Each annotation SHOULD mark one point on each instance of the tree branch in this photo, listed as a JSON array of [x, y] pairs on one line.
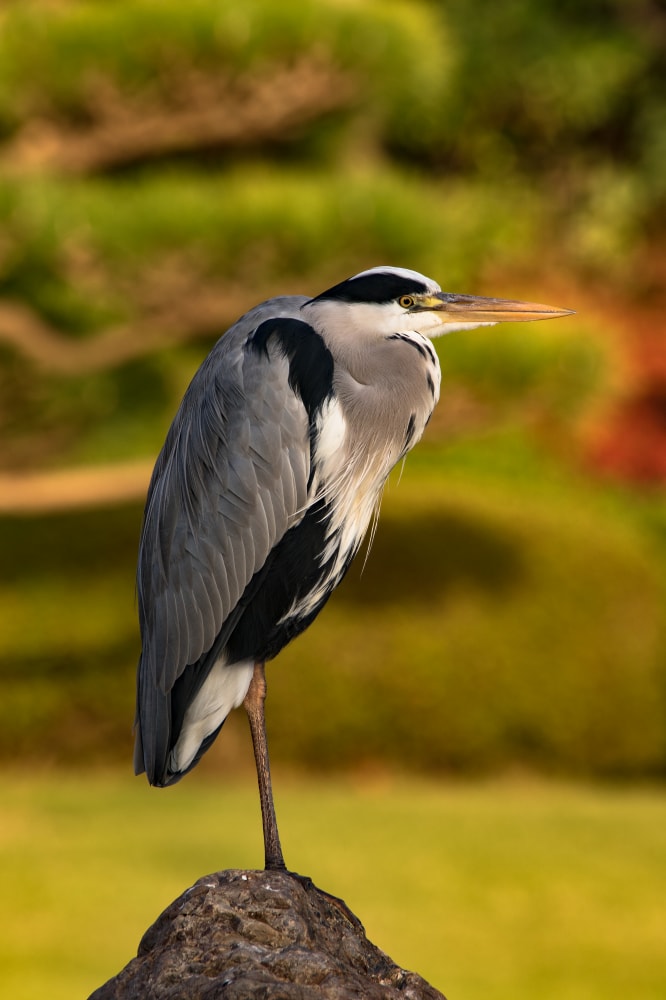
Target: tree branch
[[208, 313], [206, 112], [67, 489]]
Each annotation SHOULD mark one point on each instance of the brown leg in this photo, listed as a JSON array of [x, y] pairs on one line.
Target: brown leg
[[254, 706]]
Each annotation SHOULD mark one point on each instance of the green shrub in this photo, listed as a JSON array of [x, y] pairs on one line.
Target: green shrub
[[58, 61], [483, 633], [95, 255], [490, 627]]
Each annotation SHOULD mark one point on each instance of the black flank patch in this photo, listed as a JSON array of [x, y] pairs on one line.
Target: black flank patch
[[291, 572], [380, 287], [254, 630]]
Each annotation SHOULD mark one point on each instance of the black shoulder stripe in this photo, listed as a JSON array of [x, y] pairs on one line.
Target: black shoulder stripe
[[431, 351], [409, 435], [406, 339], [310, 361]]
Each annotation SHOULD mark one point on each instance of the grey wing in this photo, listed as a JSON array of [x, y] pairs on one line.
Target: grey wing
[[230, 481]]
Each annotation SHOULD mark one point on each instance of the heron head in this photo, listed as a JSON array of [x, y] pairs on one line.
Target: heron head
[[386, 300]]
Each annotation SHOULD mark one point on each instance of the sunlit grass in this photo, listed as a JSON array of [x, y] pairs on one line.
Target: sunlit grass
[[506, 890]]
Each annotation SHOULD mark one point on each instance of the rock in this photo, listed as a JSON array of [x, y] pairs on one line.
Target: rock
[[271, 935]]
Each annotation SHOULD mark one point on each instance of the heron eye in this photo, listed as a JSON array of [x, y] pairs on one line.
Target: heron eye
[[406, 301]]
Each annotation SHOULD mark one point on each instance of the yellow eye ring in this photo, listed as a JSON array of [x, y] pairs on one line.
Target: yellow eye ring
[[406, 301]]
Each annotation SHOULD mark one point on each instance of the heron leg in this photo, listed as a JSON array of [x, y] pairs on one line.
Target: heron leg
[[254, 706]]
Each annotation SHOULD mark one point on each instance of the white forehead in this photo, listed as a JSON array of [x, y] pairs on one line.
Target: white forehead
[[402, 272]]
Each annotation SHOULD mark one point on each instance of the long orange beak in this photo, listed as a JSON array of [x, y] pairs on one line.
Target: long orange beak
[[479, 309]]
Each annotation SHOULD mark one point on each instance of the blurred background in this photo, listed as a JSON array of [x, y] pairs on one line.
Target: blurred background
[[501, 659]]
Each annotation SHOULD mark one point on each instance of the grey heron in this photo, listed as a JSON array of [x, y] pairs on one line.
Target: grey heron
[[264, 490]]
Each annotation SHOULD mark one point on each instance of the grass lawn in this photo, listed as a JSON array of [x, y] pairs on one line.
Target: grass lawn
[[498, 890]]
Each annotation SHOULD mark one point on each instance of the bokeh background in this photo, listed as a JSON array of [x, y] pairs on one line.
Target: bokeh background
[[501, 658]]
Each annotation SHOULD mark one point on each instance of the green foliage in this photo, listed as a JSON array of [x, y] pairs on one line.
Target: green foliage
[[549, 371], [93, 253], [481, 633], [465, 140], [460, 149], [484, 633], [88, 246], [56, 60], [565, 102], [571, 98], [556, 74]]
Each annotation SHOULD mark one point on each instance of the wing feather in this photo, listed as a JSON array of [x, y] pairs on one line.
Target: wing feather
[[230, 481], [264, 531]]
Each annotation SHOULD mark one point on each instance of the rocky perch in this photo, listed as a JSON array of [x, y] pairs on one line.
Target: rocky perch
[[260, 934]]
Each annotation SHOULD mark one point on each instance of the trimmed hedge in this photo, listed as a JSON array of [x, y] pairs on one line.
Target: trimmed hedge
[[55, 60], [484, 632], [490, 627]]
